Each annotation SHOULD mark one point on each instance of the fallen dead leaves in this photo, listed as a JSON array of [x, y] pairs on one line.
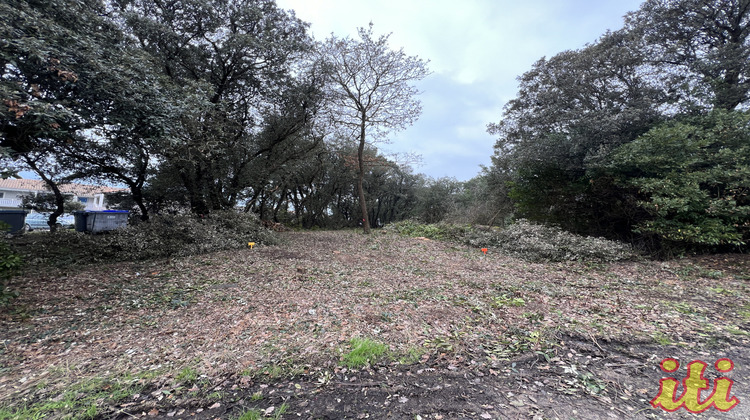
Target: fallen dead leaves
[[299, 303]]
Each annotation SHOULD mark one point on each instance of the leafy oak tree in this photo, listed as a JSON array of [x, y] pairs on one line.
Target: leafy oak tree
[[69, 73], [251, 93], [644, 95], [571, 111], [701, 48], [371, 93]]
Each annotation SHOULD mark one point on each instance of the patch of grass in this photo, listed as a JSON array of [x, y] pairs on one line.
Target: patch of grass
[[505, 300], [258, 414], [252, 414], [723, 291], [187, 375], [733, 329], [412, 356], [711, 274], [78, 401], [364, 351], [684, 308], [661, 338], [691, 271], [216, 396], [282, 370], [744, 312]]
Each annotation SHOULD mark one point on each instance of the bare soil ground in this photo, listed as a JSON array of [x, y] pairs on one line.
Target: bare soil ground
[[470, 336]]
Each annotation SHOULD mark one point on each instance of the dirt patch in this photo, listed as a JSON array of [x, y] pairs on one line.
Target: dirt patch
[[470, 335], [587, 381]]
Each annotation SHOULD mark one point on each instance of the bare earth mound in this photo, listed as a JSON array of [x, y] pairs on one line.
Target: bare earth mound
[[469, 335]]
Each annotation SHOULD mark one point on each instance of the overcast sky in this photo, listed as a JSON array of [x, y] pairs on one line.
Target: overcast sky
[[476, 49]]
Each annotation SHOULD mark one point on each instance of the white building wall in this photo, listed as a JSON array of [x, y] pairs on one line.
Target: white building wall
[[12, 200]]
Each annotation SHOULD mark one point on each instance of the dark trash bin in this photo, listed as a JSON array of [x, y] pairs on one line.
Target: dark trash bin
[[15, 218], [100, 221]]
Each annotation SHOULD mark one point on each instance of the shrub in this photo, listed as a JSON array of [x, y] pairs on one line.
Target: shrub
[[182, 235], [691, 176], [535, 242], [439, 231], [523, 239], [162, 236]]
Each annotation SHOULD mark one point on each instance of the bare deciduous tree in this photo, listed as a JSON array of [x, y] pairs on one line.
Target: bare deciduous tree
[[371, 92]]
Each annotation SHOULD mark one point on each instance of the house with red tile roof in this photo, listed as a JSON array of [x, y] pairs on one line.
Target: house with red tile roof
[[92, 196]]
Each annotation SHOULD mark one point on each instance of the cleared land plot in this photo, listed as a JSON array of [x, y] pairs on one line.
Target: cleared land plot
[[469, 335]]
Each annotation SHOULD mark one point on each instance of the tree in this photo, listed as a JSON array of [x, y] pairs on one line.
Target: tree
[[437, 198], [39, 64], [46, 202], [80, 100], [371, 93], [692, 177], [483, 200], [251, 94], [701, 48], [5, 171], [571, 111], [673, 60]]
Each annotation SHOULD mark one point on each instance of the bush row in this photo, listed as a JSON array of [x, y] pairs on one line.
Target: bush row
[[162, 236], [524, 239]]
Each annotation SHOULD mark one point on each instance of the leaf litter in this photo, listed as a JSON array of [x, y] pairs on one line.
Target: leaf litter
[[470, 335]]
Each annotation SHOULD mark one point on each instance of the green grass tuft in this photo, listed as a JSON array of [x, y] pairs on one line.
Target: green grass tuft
[[364, 351]]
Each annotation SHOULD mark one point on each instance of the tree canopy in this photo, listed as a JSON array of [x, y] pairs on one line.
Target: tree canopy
[[635, 96], [210, 105], [371, 93], [231, 104]]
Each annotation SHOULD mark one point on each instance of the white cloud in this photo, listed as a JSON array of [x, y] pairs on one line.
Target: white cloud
[[477, 48]]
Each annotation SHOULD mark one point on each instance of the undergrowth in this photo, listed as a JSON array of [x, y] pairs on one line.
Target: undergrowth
[[89, 399], [10, 262], [529, 241], [163, 236]]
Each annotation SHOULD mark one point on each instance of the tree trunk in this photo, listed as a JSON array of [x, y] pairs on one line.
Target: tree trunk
[[136, 191], [361, 177], [59, 198]]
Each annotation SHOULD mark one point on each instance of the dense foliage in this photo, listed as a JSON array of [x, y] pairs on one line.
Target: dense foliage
[[206, 105], [78, 99], [692, 177], [10, 263], [219, 105], [641, 135], [46, 202]]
